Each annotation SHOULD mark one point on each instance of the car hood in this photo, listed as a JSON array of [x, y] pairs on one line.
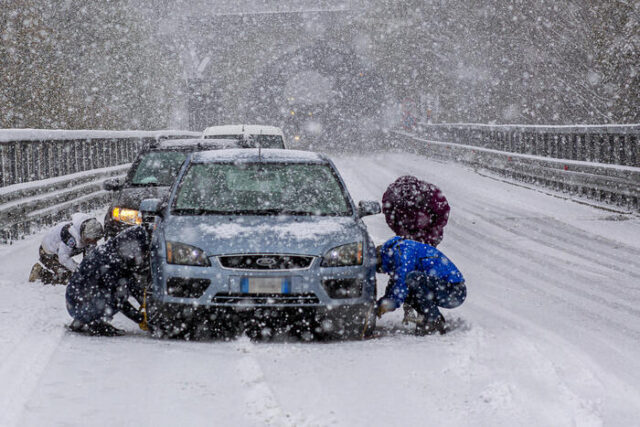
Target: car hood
[[132, 196], [218, 235]]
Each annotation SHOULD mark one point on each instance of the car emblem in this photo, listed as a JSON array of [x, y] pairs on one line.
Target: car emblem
[[265, 262]]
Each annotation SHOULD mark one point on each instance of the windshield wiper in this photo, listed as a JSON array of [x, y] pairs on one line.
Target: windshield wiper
[[148, 184]]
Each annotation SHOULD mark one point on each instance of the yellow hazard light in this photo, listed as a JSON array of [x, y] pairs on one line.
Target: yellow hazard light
[[127, 216]]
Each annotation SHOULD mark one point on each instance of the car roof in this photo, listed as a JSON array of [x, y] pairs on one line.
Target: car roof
[[255, 155], [243, 129], [194, 144]]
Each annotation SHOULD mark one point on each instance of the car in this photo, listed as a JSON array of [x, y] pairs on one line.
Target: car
[[248, 135], [260, 240], [150, 175]]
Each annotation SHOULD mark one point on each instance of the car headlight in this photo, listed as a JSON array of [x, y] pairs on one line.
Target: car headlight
[[179, 253], [341, 256], [128, 216]]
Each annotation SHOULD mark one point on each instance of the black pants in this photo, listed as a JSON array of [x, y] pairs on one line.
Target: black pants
[[427, 293], [54, 272]]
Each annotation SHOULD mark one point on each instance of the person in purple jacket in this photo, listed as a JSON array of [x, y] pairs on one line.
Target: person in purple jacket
[[421, 277]]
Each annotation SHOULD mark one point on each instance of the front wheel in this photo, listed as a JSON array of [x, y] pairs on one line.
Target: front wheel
[[164, 322], [350, 324]]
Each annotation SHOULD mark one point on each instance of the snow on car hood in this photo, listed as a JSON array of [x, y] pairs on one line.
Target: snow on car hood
[[282, 234]]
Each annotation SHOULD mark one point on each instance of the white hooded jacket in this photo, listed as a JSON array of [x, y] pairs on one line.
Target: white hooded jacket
[[53, 242]]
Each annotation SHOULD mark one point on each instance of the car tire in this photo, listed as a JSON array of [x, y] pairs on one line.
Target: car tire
[[352, 324], [166, 323]]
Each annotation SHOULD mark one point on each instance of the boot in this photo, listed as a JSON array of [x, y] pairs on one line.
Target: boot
[[36, 272], [104, 329], [430, 327], [95, 328], [411, 316]]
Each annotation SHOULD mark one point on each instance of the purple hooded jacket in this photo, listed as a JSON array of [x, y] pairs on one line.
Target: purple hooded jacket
[[416, 210]]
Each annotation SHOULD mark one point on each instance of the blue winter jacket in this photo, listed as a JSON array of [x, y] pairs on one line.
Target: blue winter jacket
[[401, 256]]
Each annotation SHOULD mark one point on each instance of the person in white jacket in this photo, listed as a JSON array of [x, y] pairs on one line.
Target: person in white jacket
[[64, 241]]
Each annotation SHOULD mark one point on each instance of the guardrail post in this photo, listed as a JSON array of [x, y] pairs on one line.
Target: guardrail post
[[580, 151], [598, 142], [633, 148], [618, 155]]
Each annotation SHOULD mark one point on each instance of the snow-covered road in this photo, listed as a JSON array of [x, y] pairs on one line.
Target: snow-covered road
[[549, 335]]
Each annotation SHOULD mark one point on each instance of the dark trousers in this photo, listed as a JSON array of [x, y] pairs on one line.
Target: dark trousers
[[427, 293], [97, 305], [54, 273]]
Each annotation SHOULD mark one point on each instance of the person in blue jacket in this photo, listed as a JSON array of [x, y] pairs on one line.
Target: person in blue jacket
[[421, 277], [105, 279]]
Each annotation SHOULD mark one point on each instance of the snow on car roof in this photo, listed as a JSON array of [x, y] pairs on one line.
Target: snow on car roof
[[253, 154], [195, 142], [240, 129]]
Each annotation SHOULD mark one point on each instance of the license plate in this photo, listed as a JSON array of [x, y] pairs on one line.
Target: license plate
[[265, 285]]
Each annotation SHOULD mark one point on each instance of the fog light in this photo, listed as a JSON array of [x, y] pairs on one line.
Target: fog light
[[187, 288], [343, 288]]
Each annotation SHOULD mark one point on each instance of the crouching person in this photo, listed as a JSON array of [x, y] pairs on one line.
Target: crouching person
[[61, 244], [421, 277], [103, 282]]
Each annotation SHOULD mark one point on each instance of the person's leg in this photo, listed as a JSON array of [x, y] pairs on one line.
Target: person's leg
[[427, 293], [422, 296], [54, 272]]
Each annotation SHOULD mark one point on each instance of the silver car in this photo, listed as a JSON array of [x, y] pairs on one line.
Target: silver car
[[261, 240]]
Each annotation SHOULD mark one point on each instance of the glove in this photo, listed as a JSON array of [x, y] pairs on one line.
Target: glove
[[385, 305]]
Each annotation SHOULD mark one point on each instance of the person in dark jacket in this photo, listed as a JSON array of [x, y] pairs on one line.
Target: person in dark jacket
[[421, 277], [103, 282]]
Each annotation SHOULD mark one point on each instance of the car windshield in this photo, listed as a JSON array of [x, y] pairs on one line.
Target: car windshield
[[261, 189], [158, 168], [264, 141]]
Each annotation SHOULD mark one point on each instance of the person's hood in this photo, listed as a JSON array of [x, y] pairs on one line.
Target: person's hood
[[218, 235], [78, 218]]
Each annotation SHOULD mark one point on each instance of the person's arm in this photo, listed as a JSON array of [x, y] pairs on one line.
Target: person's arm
[[131, 312], [404, 262], [65, 254]]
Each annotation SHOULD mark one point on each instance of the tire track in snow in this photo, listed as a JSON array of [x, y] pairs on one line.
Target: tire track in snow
[[542, 266], [554, 233], [260, 402], [532, 280]]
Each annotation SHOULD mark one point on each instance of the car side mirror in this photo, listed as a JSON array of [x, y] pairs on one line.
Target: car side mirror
[[368, 207], [150, 208], [112, 184]]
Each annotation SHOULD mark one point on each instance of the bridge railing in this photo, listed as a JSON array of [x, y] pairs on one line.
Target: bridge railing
[[45, 175], [596, 162]]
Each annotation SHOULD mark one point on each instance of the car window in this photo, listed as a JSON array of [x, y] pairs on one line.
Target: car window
[[261, 189], [269, 141], [158, 168], [265, 141], [236, 136]]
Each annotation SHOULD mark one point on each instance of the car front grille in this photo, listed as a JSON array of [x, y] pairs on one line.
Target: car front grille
[[266, 262], [265, 299]]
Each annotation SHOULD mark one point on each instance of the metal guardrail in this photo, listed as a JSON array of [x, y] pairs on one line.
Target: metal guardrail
[[45, 176], [608, 183], [609, 144]]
